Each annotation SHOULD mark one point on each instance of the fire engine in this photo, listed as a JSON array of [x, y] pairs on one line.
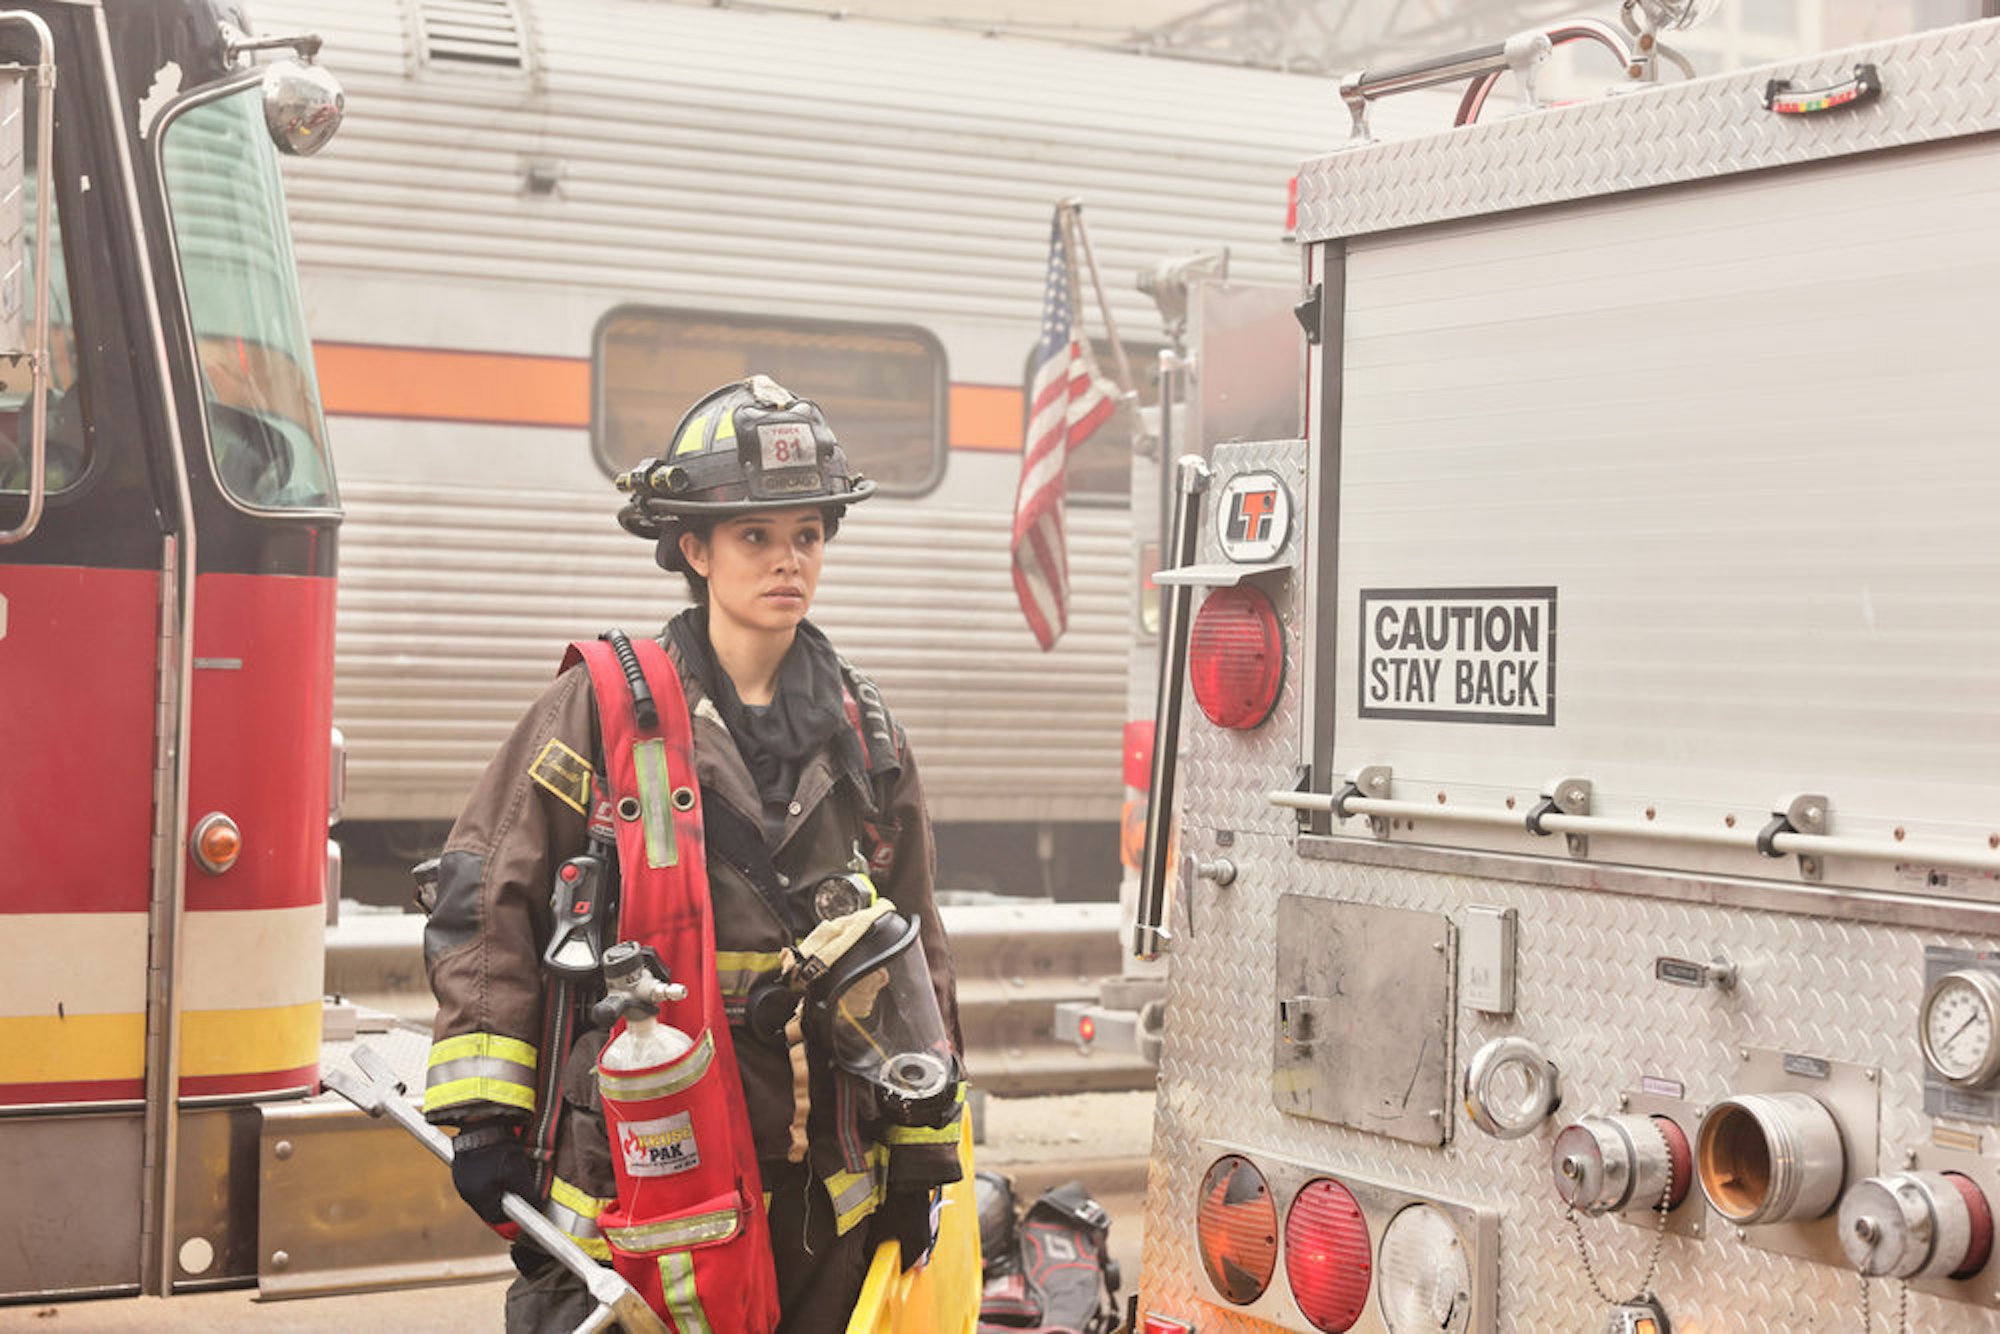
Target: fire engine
[[167, 525], [1583, 914]]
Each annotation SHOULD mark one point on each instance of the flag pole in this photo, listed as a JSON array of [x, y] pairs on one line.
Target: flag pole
[[1073, 219]]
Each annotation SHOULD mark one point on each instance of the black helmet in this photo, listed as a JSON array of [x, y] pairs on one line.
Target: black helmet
[[747, 446]]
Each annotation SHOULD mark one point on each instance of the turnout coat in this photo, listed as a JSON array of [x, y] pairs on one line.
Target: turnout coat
[[858, 796]]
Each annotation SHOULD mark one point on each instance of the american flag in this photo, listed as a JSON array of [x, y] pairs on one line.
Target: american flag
[[1068, 400]]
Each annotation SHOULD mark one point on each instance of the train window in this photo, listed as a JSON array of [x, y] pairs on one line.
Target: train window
[[1100, 469], [881, 386], [69, 440], [266, 432]]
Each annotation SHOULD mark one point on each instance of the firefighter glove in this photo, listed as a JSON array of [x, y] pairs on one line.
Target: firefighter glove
[[906, 1216], [487, 1161]]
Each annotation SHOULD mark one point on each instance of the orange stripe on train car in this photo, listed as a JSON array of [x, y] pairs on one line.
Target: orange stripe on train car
[[508, 389], [428, 384]]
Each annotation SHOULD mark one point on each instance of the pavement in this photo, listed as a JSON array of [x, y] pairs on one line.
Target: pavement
[[1099, 1139]]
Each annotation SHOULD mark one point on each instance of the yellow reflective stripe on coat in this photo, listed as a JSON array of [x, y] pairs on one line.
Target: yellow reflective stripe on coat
[[576, 1214], [480, 1067], [740, 970], [683, 1303], [855, 1195], [668, 1079]]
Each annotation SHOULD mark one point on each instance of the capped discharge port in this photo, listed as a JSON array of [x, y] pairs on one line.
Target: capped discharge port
[[1770, 1158]]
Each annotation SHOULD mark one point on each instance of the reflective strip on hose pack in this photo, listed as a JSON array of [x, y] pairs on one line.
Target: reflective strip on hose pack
[[649, 762], [683, 1303], [680, 1232], [663, 1082]]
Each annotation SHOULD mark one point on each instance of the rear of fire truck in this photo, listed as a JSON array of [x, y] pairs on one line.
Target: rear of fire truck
[[1586, 911]]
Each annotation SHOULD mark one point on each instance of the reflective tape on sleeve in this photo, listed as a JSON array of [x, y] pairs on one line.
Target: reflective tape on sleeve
[[948, 1133], [576, 1214], [480, 1067]]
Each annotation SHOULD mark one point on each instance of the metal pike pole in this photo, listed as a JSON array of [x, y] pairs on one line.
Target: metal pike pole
[[617, 1301]]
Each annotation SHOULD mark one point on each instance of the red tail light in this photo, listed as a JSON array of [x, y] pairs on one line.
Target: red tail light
[[1236, 1228], [1236, 657], [1139, 754], [1327, 1255]]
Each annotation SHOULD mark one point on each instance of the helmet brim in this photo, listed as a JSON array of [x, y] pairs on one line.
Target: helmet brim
[[854, 495]]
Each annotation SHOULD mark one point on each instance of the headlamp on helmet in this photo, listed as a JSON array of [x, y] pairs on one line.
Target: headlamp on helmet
[[752, 445]]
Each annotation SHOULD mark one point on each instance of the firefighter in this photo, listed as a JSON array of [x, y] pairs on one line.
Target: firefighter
[[811, 803]]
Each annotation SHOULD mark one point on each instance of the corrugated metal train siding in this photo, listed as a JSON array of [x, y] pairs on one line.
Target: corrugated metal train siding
[[781, 162], [454, 608]]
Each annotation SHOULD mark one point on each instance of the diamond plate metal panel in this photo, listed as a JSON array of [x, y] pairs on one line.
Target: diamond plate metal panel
[[1817, 986], [1938, 85]]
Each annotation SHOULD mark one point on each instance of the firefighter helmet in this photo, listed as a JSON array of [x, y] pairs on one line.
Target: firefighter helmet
[[751, 445]]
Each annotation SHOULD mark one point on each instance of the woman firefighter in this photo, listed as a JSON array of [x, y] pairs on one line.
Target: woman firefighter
[[744, 1184]]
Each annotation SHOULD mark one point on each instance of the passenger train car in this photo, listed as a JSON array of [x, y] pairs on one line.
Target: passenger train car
[[554, 223]]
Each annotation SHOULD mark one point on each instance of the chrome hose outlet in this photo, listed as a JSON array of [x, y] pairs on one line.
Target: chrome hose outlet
[[1916, 1225], [1607, 1163], [1770, 1158]]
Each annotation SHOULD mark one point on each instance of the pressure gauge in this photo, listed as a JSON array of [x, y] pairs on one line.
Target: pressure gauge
[[1960, 1027]]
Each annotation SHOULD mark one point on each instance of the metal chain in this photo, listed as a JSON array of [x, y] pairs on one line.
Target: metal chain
[[1902, 1307], [1659, 1235]]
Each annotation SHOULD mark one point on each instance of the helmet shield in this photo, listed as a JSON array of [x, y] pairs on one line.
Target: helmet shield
[[883, 1024], [747, 446]]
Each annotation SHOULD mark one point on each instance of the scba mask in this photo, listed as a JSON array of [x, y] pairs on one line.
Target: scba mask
[[868, 993]]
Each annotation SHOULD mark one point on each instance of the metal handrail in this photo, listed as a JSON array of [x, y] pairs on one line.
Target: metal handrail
[[1521, 53], [1783, 842]]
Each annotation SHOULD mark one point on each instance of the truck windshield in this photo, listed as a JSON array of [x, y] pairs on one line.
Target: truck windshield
[[262, 398]]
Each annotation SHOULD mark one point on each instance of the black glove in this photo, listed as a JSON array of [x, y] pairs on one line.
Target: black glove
[[905, 1216], [487, 1161]]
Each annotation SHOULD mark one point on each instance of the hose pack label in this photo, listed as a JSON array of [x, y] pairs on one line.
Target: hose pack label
[[659, 1148], [1459, 655]]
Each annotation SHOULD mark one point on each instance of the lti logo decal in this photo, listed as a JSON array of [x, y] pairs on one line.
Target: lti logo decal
[[1256, 517]]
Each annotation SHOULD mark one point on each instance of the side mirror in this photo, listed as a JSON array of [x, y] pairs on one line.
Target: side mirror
[[303, 105]]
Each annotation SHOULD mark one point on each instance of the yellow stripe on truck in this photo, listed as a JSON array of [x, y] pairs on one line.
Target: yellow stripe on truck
[[51, 1048]]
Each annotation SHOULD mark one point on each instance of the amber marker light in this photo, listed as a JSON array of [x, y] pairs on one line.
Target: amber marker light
[[216, 843]]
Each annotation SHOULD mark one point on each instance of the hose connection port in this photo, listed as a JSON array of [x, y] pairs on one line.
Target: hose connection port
[[1770, 1158]]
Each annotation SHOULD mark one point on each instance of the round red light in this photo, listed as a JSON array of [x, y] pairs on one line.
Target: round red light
[[1327, 1258], [1086, 1029], [1236, 1228], [1236, 657]]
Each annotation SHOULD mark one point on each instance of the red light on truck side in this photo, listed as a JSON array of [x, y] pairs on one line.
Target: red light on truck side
[[1327, 1256], [1139, 754], [1236, 657]]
